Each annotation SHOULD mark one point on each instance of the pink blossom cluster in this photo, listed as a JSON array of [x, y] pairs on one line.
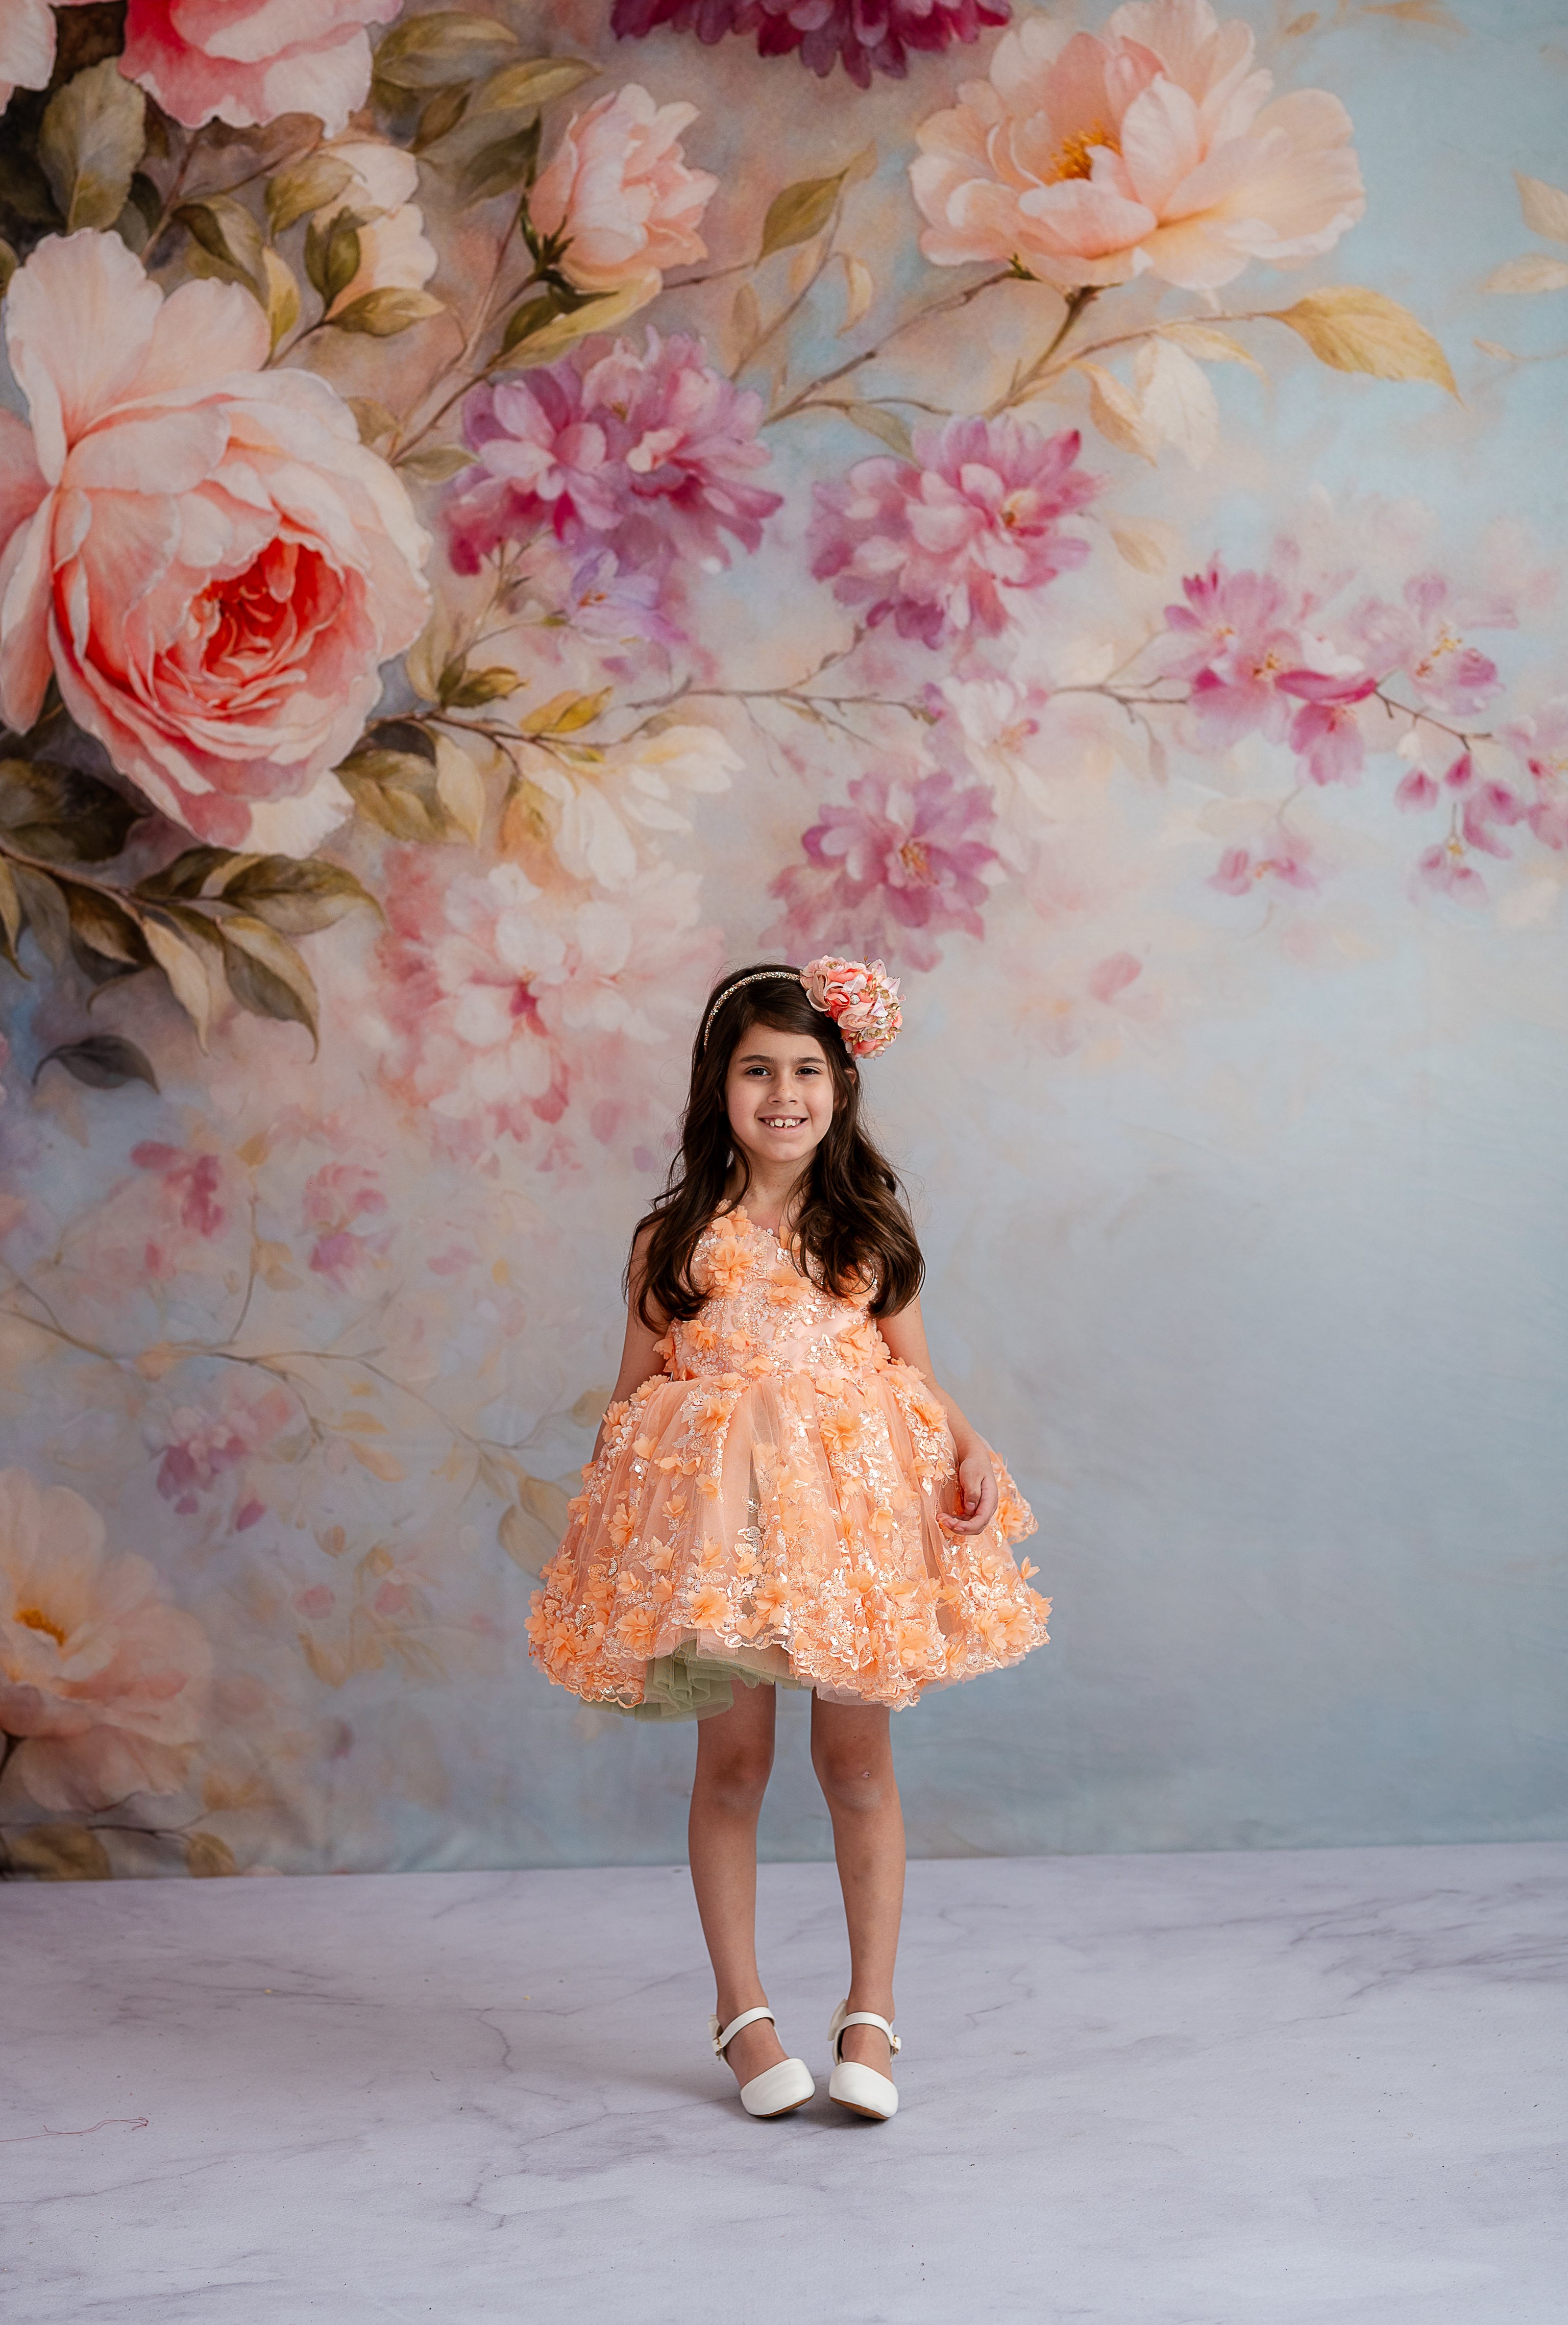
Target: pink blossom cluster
[[336, 1199], [199, 1447], [1273, 654], [505, 1005], [631, 463], [903, 862], [867, 36], [948, 544]]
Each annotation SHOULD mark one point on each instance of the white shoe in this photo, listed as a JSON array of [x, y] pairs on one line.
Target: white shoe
[[860, 2088], [777, 2090]]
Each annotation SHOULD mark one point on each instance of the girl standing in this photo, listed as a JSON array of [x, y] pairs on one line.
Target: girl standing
[[781, 1496]]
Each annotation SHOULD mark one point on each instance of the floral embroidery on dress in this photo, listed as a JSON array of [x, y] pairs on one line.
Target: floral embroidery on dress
[[771, 1500]]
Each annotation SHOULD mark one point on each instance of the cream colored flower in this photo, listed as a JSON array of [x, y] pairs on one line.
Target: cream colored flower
[[618, 190], [105, 1682], [393, 255]]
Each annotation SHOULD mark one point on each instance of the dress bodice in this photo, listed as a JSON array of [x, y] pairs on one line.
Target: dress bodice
[[761, 1314]]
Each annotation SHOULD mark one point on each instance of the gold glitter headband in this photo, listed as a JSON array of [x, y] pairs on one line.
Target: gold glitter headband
[[755, 978]]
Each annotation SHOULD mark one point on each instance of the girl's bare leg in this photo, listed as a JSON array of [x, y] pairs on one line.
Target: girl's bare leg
[[852, 1754], [733, 1761]]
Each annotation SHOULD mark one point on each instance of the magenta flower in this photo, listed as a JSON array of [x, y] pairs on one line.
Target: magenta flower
[[649, 457], [888, 872], [944, 544], [1325, 732], [866, 35], [1235, 638]]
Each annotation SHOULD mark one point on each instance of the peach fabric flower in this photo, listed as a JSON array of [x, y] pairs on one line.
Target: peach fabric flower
[[103, 1679], [200, 551], [1092, 158], [618, 189], [246, 62], [860, 997]]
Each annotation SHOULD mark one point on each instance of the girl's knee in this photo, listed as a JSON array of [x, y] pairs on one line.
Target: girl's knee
[[854, 1779], [735, 1778]]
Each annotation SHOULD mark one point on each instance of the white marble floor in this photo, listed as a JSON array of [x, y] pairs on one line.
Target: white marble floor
[[1267, 2089]]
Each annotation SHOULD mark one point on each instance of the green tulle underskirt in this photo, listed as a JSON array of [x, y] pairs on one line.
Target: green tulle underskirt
[[686, 1685]]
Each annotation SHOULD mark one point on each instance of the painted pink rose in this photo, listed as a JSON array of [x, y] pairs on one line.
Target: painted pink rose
[[246, 62], [105, 1682], [1090, 158], [618, 193], [200, 551]]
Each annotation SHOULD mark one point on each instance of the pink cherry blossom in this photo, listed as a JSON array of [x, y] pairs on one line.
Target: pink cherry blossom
[[336, 1198], [1088, 159], [892, 870], [1540, 742], [105, 1682], [646, 457], [618, 198], [246, 62], [1286, 861], [867, 35], [1325, 731], [1235, 638], [199, 550], [1423, 636], [1444, 869], [949, 544], [200, 1444]]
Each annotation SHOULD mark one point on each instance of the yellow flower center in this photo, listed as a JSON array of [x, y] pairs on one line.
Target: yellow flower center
[[1074, 157], [916, 859], [37, 1620]]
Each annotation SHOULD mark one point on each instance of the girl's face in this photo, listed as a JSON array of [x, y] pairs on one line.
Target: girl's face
[[779, 1096]]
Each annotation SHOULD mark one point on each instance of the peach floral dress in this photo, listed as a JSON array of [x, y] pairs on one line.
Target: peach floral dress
[[766, 1508]]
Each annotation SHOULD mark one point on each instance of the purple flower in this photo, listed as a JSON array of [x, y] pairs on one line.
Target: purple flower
[[945, 543], [889, 872], [867, 35], [649, 456]]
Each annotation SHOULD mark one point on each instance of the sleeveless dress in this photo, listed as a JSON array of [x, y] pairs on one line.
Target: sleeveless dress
[[766, 1508]]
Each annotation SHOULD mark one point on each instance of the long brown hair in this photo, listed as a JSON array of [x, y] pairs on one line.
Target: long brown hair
[[853, 1225]]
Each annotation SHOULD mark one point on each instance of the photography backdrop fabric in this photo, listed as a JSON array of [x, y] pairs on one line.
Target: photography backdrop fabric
[[756, 513]]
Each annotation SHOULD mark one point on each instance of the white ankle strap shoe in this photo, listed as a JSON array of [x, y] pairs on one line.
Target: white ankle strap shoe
[[777, 2090], [860, 2088]]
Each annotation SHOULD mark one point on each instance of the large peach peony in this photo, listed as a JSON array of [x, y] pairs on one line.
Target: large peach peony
[[1090, 159], [246, 62], [103, 1681], [618, 190], [200, 551]]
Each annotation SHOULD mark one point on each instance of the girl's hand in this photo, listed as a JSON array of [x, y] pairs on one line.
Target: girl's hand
[[976, 1494]]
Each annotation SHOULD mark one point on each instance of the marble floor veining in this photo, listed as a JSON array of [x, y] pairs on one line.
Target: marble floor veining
[[1271, 2089]]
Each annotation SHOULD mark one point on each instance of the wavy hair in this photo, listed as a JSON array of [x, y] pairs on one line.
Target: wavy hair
[[854, 1226]]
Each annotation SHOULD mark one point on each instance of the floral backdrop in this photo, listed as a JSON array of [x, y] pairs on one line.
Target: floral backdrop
[[506, 511]]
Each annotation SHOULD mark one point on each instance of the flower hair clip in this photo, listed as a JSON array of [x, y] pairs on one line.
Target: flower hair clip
[[859, 995]]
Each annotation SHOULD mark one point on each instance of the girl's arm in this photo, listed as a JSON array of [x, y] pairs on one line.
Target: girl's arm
[[639, 1359], [977, 1480]]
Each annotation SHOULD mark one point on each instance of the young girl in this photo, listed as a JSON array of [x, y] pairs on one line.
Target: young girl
[[780, 1495]]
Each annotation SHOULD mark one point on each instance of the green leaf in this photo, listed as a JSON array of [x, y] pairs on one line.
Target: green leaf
[[436, 464], [309, 185], [65, 816], [187, 874], [887, 426], [373, 419], [799, 212], [1355, 330], [501, 167], [11, 914], [208, 1855], [521, 87], [183, 945], [441, 117], [103, 1062], [293, 895], [479, 687], [46, 915], [383, 314], [433, 51], [396, 792], [265, 974], [59, 1852], [102, 926], [93, 135], [332, 254], [226, 230]]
